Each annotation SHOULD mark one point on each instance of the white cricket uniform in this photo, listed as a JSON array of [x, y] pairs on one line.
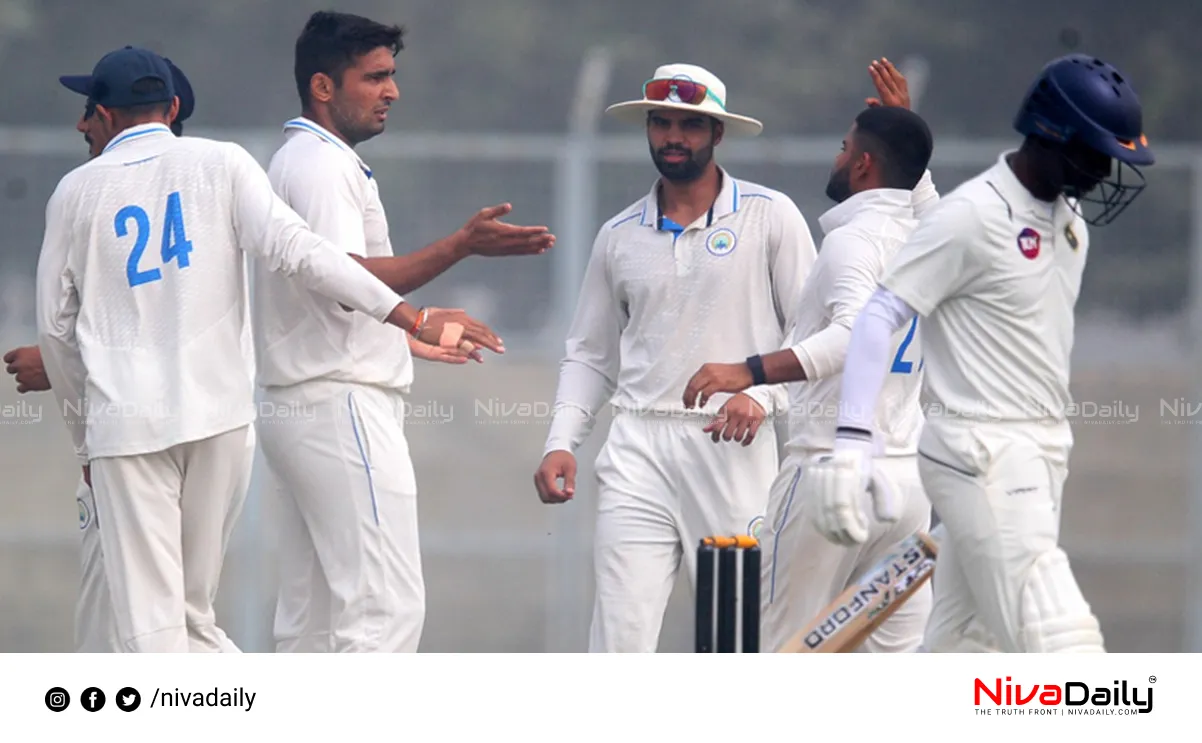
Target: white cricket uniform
[[350, 562], [657, 302], [995, 274], [143, 322], [802, 571]]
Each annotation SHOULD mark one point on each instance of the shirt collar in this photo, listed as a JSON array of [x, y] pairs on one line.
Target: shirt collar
[[140, 131], [1002, 179], [726, 203], [303, 124], [892, 202]]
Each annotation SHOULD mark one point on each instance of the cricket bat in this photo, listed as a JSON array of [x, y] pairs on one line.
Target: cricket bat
[[852, 617]]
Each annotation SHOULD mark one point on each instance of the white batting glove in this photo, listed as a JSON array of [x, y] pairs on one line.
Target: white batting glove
[[840, 483]]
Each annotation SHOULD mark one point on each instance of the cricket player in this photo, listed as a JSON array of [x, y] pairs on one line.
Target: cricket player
[[94, 628], [994, 270], [880, 184], [138, 343], [706, 266], [350, 562]]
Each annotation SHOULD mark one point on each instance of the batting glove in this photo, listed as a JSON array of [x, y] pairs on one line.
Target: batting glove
[[840, 483]]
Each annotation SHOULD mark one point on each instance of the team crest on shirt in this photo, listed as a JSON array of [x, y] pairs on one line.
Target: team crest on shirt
[[1071, 236], [721, 241], [85, 514], [756, 526], [1028, 243]]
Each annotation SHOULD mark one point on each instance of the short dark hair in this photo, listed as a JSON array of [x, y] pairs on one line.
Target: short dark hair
[[331, 42], [898, 140]]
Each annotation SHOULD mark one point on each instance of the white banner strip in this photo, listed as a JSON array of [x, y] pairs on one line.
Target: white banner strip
[[581, 697]]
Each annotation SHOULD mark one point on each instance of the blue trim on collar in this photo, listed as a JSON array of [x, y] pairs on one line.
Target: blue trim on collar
[[305, 125], [139, 131]]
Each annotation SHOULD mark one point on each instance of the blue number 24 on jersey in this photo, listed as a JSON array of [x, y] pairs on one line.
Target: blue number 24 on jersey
[[176, 245]]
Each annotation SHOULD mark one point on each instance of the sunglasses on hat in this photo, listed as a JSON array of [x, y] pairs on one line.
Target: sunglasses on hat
[[687, 91]]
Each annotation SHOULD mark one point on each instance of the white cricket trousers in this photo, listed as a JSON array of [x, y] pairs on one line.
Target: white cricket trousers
[[350, 561], [95, 630], [1001, 581], [663, 485], [165, 521], [803, 571]]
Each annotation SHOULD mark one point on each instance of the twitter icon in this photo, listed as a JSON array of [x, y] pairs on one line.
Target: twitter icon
[[128, 699]]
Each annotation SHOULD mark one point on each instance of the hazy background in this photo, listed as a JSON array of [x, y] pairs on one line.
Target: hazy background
[[502, 102]]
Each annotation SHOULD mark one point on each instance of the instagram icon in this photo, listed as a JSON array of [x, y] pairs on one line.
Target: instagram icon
[[57, 699]]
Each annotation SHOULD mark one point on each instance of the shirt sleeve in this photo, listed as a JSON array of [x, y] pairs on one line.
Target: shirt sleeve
[[57, 310], [330, 200], [852, 268], [269, 229], [868, 358], [924, 196], [588, 374], [939, 260], [792, 255]]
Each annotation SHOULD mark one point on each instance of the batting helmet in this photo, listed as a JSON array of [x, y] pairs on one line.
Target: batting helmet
[[1079, 97]]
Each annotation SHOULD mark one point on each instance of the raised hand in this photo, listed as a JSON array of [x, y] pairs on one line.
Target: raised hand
[[890, 85]]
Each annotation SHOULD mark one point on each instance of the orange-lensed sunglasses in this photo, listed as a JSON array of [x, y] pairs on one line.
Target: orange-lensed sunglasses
[[688, 91]]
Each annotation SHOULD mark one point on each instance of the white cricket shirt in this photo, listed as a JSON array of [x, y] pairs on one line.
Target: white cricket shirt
[[300, 335], [862, 235], [142, 290], [660, 300], [995, 274]]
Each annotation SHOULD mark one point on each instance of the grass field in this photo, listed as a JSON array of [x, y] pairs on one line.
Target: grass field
[[495, 557]]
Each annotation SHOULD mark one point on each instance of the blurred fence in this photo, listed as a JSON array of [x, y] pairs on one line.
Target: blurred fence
[[507, 574]]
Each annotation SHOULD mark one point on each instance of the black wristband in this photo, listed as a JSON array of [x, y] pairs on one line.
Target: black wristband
[[756, 365], [847, 432]]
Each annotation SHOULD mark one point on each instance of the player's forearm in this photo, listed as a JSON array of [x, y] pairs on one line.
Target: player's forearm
[[782, 366], [925, 195], [868, 358], [405, 273]]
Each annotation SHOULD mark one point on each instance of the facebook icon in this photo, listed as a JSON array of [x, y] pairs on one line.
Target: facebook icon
[[92, 699]]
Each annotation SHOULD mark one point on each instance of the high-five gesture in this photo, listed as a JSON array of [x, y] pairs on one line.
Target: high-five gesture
[[485, 234], [890, 85]]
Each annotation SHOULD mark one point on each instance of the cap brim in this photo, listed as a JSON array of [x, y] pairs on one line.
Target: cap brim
[[635, 112], [81, 84]]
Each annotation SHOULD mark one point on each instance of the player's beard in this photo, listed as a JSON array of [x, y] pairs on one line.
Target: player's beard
[[687, 170], [838, 187], [354, 130]]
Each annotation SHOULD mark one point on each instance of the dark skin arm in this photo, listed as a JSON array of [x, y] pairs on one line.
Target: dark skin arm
[[484, 234], [711, 379], [406, 273]]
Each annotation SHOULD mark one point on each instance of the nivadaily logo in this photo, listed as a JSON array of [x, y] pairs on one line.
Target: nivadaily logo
[[1069, 698]]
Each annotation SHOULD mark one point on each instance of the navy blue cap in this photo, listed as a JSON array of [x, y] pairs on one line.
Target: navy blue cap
[[183, 89], [111, 83]]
